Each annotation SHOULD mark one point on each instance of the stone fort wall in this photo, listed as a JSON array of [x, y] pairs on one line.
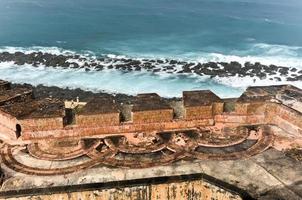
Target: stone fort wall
[[41, 119]]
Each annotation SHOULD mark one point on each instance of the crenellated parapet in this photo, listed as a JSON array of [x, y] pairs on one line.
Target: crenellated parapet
[[24, 118], [45, 140]]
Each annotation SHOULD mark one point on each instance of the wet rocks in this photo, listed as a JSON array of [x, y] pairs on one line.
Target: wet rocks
[[211, 69]]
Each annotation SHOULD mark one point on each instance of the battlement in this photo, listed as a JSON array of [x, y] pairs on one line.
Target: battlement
[[52, 137], [28, 118]]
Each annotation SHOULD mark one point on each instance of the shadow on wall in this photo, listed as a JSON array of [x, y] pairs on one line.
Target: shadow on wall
[[18, 131]]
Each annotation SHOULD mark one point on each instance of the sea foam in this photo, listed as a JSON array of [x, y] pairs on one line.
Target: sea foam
[[166, 84], [113, 81]]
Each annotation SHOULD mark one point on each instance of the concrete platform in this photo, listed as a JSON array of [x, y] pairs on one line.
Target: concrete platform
[[269, 175]]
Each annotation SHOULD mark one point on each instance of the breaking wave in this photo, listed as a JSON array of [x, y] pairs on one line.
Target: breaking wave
[[166, 83], [280, 55], [112, 81]]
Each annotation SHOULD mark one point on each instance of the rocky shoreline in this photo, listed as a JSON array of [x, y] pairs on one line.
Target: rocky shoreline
[[211, 69], [41, 91]]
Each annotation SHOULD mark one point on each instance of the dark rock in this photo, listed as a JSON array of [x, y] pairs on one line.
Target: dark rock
[[277, 78], [173, 62], [293, 69], [283, 70]]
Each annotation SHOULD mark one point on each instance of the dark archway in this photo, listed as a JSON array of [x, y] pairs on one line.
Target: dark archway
[[18, 130]]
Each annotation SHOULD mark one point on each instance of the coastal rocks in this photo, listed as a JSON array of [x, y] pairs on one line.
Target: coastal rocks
[[210, 69]]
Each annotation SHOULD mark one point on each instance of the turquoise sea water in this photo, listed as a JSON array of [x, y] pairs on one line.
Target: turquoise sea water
[[201, 30]]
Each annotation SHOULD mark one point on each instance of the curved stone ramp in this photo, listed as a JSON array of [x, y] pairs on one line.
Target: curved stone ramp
[[58, 153], [192, 139], [9, 160], [239, 134], [178, 146], [122, 144], [143, 160], [238, 151], [137, 160]]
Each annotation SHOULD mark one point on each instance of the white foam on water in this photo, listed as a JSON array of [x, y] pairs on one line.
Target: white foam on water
[[28, 50], [267, 54], [113, 81], [244, 82], [166, 84], [266, 60]]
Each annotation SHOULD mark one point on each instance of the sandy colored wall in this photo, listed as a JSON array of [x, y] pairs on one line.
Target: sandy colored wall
[[285, 118], [282, 111], [252, 108], [200, 112], [194, 190], [89, 121], [218, 108], [152, 116], [7, 126], [118, 129], [41, 124]]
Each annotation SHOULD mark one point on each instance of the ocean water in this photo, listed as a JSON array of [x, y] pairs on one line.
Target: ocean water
[[268, 31]]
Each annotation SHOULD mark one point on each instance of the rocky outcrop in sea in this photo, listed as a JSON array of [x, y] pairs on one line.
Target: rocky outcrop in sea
[[211, 69]]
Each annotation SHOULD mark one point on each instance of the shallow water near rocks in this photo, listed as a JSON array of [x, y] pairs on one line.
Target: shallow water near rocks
[[114, 81]]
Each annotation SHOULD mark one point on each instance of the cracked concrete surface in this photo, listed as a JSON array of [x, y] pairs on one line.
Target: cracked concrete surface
[[269, 175]]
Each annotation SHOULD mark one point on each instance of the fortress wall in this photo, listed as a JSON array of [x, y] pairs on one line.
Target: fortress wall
[[8, 120], [241, 108], [250, 108], [7, 125], [244, 113], [239, 119], [285, 118], [284, 112], [41, 124], [256, 108], [196, 189], [199, 112], [152, 116], [97, 120], [112, 130], [218, 108]]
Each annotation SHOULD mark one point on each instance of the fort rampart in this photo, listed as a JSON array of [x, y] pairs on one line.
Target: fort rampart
[[24, 118]]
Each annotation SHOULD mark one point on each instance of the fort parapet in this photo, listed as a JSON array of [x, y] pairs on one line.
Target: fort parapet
[[49, 138], [24, 118]]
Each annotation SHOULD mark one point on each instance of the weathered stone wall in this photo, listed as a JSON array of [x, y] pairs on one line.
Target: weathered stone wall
[[7, 126], [119, 129], [241, 108], [41, 124], [239, 119], [285, 118], [197, 189], [199, 112], [251, 108], [285, 113], [89, 121], [152, 116], [218, 108]]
